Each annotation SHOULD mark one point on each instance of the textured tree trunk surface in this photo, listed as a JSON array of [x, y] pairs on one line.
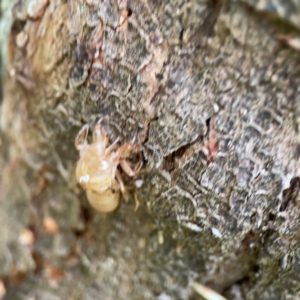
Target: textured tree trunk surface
[[211, 89]]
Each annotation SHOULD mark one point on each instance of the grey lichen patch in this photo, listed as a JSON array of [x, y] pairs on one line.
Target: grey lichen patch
[[174, 116], [109, 13], [15, 254], [80, 67]]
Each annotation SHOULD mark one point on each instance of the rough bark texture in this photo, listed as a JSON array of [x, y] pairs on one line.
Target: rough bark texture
[[212, 92]]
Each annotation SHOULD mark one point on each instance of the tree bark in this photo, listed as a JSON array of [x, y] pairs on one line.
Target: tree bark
[[210, 89]]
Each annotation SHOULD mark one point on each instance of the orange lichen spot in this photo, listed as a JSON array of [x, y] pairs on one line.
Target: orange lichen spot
[[26, 237], [2, 289], [212, 147], [50, 225], [53, 274]]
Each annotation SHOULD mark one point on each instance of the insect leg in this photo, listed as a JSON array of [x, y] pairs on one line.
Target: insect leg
[[110, 148], [102, 119], [122, 187], [127, 169], [83, 131]]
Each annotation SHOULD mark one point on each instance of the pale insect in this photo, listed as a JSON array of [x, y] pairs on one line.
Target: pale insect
[[97, 171]]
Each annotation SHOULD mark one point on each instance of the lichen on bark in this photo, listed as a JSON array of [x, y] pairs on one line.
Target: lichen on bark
[[211, 93]]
